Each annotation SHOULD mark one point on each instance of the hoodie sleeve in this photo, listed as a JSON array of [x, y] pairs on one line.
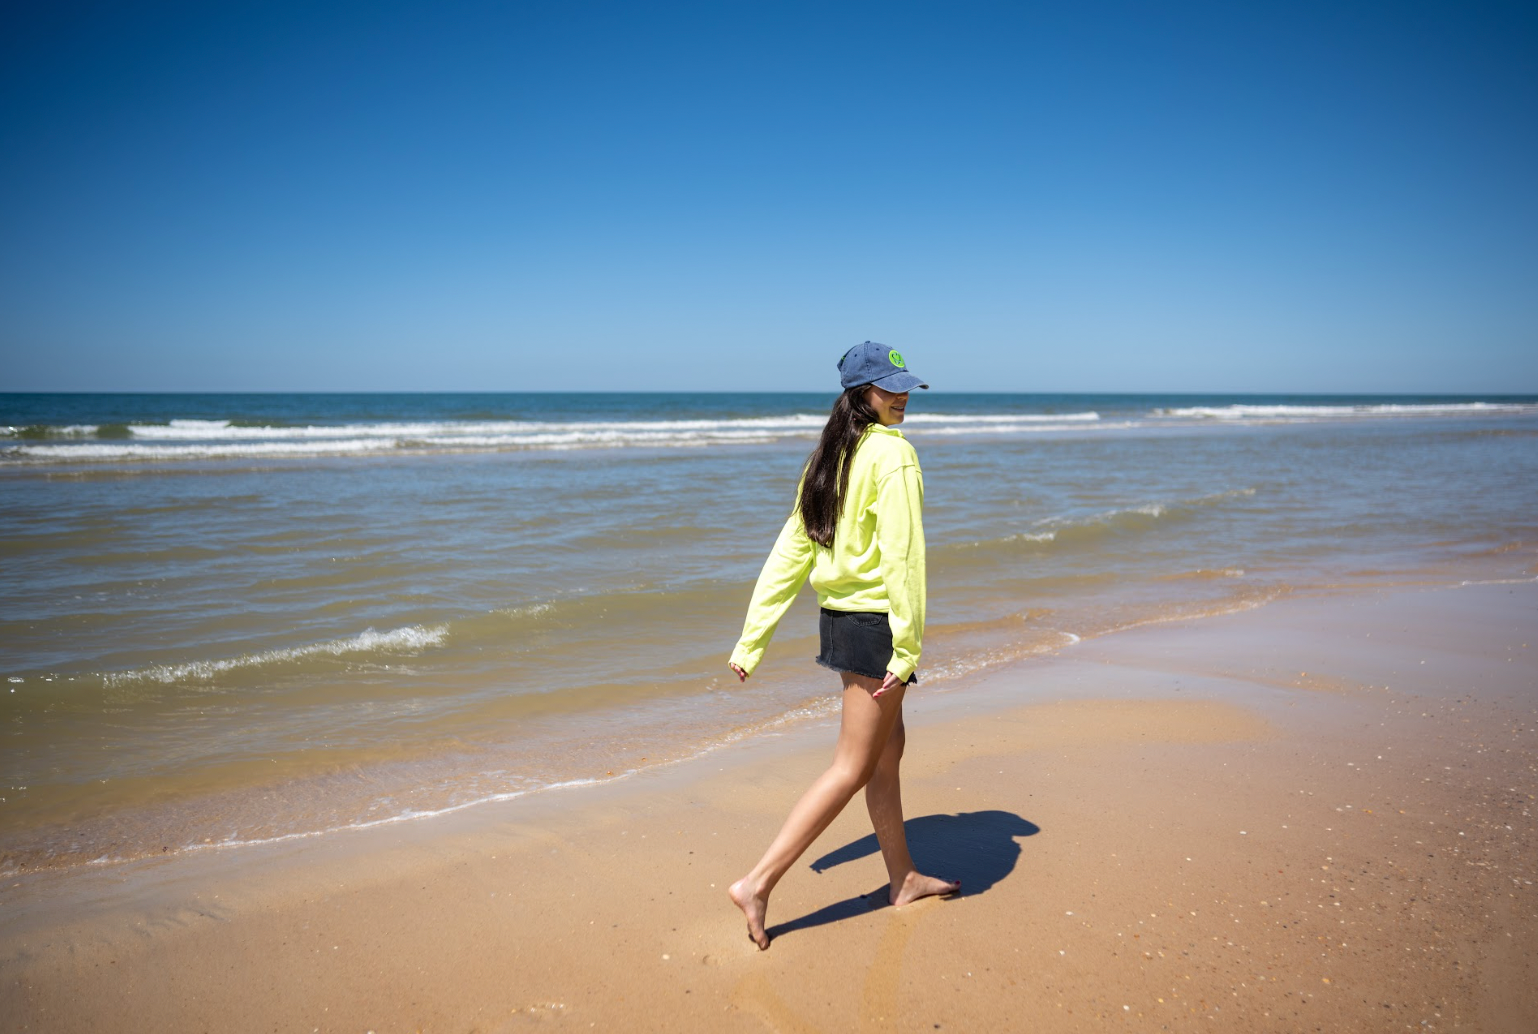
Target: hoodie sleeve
[[900, 538], [789, 563]]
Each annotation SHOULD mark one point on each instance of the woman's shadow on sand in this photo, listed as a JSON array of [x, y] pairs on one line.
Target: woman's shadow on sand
[[976, 847]]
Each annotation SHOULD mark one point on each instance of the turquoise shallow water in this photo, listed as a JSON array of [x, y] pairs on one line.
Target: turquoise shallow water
[[229, 618]]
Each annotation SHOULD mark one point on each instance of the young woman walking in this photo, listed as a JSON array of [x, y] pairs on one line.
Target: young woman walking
[[858, 532]]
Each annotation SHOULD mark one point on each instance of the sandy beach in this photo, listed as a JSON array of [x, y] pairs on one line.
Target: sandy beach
[[1316, 815], [448, 451]]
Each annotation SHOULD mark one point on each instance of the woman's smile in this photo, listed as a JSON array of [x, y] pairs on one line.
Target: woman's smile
[[890, 406]]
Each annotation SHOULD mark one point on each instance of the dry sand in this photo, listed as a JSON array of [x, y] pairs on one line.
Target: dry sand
[[1314, 816]]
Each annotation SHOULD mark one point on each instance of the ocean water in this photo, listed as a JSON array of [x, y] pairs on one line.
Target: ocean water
[[231, 618]]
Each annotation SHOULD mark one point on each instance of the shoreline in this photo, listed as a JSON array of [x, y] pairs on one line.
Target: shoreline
[[1123, 780], [421, 783], [247, 655]]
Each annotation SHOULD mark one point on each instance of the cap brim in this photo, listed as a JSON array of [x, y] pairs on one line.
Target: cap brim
[[902, 381]]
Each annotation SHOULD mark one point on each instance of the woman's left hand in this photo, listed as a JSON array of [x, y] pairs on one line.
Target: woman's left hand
[[888, 684]]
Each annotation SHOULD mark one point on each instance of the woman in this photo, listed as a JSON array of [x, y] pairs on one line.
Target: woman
[[858, 531]]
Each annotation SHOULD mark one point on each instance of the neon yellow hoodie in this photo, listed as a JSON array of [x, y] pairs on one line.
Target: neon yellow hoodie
[[876, 563]]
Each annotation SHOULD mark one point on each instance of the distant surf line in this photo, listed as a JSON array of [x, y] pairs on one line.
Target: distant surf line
[[229, 439]]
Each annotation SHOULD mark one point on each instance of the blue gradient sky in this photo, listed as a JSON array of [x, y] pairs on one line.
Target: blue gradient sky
[[563, 195]]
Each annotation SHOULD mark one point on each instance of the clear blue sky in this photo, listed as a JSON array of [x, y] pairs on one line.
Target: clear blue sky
[[563, 195]]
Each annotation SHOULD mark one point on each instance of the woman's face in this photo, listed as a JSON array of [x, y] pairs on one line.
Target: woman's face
[[889, 405]]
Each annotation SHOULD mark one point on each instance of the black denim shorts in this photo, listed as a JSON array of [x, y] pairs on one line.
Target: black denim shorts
[[856, 641]]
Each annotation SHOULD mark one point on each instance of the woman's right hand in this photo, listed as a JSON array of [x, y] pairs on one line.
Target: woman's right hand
[[742, 676]]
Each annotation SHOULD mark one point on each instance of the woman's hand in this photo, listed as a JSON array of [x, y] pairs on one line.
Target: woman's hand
[[888, 684], [742, 676]]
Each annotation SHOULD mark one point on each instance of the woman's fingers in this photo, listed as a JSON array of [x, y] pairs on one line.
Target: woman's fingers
[[889, 683], [742, 676]]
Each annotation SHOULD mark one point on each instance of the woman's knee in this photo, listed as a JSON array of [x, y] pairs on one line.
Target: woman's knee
[[851, 774]]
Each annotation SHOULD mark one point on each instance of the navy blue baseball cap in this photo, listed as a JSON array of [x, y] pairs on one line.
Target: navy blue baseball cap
[[873, 363]]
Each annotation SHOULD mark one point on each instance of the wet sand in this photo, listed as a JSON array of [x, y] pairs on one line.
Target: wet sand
[[1315, 815]]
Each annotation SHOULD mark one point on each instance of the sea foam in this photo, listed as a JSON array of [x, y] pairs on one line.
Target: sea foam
[[408, 640], [222, 439], [1293, 412]]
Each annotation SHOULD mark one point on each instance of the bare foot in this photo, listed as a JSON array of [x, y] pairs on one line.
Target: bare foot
[[916, 885], [754, 908]]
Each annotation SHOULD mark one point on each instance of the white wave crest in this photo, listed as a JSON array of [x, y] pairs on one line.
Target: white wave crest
[[108, 452], [1286, 412], [1218, 497], [220, 439], [218, 430], [410, 639], [1024, 427], [55, 431], [1032, 536], [530, 610], [1156, 510], [988, 419]]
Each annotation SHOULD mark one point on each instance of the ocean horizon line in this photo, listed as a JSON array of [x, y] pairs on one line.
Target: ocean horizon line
[[928, 393]]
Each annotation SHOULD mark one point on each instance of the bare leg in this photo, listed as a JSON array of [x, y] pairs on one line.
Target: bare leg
[[884, 801], [864, 730]]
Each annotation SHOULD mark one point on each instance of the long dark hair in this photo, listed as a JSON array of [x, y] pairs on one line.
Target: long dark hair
[[826, 481]]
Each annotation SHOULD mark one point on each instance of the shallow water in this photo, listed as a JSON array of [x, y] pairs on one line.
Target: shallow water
[[229, 618]]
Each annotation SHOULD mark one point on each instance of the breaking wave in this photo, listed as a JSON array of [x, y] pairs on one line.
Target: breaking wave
[[411, 639], [224, 439], [1304, 413], [178, 439]]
